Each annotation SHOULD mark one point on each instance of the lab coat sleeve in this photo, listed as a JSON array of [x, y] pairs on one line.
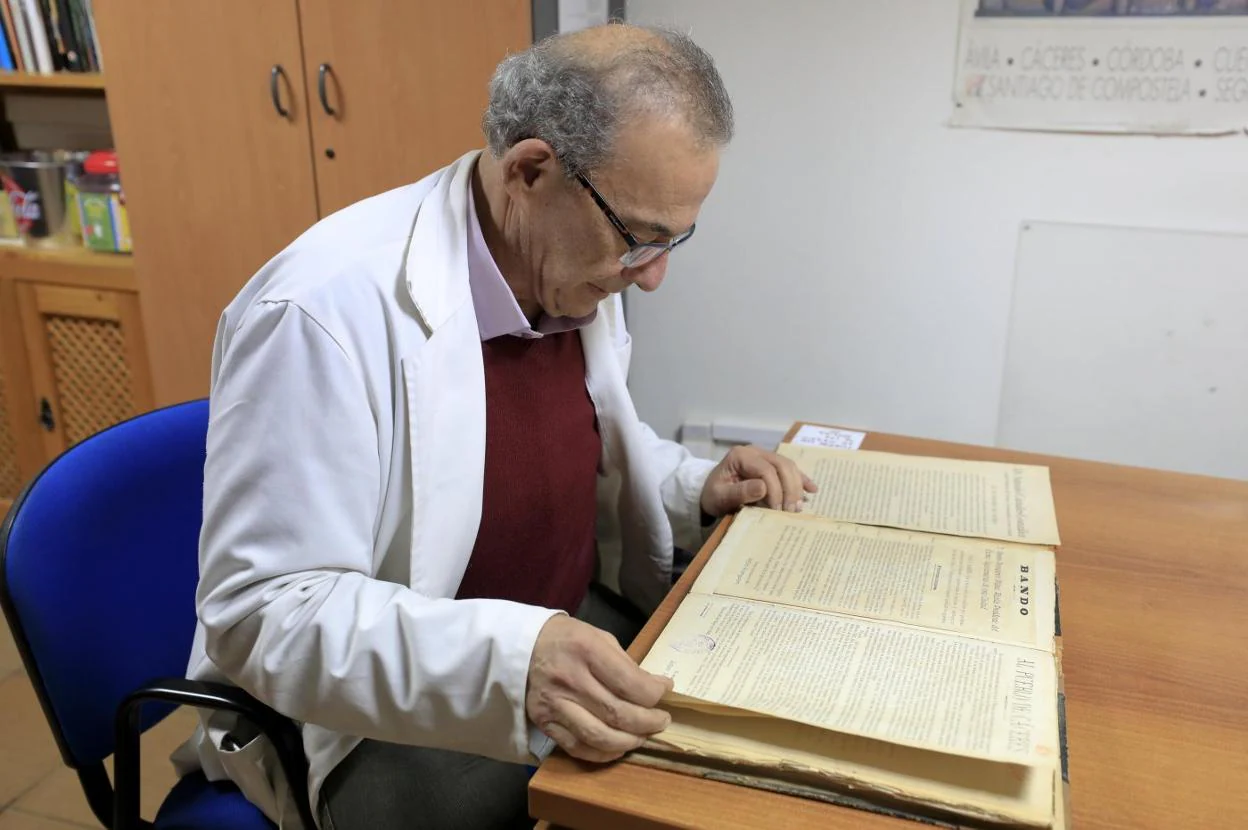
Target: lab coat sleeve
[[682, 476], [290, 606], [680, 473]]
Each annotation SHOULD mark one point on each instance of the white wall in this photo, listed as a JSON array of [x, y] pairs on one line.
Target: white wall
[[855, 261]]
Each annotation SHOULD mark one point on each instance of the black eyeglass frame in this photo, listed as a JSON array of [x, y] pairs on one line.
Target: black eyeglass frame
[[638, 253]]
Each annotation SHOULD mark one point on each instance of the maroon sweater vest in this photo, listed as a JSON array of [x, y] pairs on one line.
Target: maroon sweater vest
[[536, 542]]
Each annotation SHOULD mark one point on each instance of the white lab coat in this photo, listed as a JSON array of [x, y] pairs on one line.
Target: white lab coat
[[343, 494]]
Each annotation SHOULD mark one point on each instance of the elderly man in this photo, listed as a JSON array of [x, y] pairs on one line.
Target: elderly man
[[421, 442]]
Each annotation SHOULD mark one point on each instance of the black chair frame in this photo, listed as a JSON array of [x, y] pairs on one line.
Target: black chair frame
[[115, 804]]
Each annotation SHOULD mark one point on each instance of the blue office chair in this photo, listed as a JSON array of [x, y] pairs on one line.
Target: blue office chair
[[98, 568]]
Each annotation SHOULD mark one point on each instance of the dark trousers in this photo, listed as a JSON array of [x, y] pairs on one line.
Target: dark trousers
[[384, 786]]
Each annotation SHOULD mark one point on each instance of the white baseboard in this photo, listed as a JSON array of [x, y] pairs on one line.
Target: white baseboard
[[713, 439]]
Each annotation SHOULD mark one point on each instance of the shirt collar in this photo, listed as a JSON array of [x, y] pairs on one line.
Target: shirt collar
[[498, 313]]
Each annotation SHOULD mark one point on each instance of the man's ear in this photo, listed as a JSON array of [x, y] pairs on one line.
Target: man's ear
[[529, 165]]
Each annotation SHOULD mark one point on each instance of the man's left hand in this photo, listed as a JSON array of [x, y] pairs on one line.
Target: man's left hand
[[750, 475]]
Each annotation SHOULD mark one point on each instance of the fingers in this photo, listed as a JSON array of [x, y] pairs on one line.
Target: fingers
[[588, 695], [624, 679], [583, 736], [625, 715], [785, 482], [775, 489], [791, 480], [733, 496]]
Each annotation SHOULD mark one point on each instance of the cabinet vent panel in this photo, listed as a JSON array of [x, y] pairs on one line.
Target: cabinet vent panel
[[10, 476], [92, 377]]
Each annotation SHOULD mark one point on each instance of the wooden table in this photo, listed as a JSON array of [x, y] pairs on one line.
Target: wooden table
[[1153, 572]]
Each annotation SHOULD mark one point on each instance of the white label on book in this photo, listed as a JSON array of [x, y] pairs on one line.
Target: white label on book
[[841, 439]]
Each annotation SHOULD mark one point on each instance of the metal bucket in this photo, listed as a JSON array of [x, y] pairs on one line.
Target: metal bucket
[[34, 183]]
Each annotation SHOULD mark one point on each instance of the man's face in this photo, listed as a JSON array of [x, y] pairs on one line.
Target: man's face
[[655, 183]]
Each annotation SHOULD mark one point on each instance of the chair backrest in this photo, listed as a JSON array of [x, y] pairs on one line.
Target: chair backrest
[[98, 568]]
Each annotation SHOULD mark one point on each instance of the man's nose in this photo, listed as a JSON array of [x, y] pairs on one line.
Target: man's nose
[[649, 277]]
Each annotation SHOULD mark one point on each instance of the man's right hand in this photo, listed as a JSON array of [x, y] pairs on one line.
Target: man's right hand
[[588, 695]]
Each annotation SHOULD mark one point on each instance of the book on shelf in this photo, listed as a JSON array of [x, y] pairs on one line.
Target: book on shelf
[[894, 647], [46, 36]]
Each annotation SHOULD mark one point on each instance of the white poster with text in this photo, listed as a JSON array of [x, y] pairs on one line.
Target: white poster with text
[[1162, 67]]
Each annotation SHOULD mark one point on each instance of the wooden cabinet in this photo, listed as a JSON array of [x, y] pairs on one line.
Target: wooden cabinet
[[73, 358], [405, 83], [88, 361], [11, 475], [229, 150], [216, 179], [238, 124], [20, 450]]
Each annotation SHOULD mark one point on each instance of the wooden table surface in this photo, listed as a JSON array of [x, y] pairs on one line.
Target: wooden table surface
[[1153, 573]]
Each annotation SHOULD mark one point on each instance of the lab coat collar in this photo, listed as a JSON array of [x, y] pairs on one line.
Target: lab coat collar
[[435, 267]]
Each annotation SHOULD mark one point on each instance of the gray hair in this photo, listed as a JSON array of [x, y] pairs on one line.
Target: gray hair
[[576, 104]]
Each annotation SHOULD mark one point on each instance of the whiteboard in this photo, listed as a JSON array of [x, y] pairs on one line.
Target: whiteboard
[[1129, 345]]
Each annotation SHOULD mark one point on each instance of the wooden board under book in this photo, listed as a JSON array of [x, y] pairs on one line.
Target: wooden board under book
[[1152, 577], [767, 780], [724, 758]]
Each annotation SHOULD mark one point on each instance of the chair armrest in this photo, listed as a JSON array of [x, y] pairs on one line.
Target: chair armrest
[[280, 730]]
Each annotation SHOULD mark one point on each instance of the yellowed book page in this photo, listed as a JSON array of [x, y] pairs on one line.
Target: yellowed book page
[[879, 680], [1010, 502], [980, 588], [981, 789]]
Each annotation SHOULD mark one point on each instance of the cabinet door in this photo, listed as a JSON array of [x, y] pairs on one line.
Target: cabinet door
[[406, 81], [217, 181], [21, 450], [11, 478], [88, 360]]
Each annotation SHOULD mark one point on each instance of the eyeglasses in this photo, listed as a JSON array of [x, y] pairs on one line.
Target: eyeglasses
[[638, 253]]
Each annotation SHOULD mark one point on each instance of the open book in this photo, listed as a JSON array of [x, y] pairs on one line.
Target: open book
[[894, 647]]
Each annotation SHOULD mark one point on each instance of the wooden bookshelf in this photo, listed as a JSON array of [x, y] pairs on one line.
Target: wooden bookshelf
[[68, 266], [65, 81]]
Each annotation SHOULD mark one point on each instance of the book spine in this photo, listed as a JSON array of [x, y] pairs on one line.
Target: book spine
[[15, 46], [63, 23], [1063, 797], [83, 19], [82, 38], [38, 37], [56, 46], [29, 64], [95, 36], [6, 54]]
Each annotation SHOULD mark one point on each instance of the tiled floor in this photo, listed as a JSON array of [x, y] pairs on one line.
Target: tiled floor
[[37, 791]]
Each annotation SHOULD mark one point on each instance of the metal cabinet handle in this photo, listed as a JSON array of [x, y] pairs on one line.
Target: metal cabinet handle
[[45, 415], [321, 73], [274, 92]]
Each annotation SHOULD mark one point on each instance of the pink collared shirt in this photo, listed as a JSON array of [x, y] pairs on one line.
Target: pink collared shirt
[[498, 313]]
